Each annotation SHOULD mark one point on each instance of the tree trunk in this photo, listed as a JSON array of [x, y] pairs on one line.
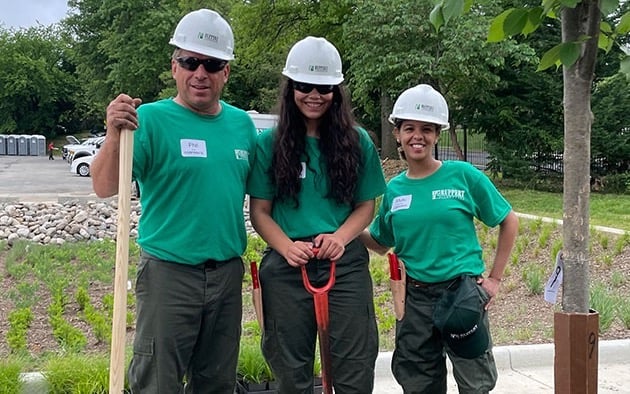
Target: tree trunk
[[456, 147], [582, 20], [388, 143]]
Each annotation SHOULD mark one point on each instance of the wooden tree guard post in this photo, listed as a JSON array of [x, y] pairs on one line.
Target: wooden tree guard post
[[576, 337]]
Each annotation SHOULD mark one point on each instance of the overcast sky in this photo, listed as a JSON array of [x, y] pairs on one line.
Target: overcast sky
[[27, 13]]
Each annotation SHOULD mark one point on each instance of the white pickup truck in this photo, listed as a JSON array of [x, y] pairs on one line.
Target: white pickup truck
[[263, 121], [77, 149]]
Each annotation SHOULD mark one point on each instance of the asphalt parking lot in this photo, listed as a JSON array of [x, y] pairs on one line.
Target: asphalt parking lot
[[35, 178]]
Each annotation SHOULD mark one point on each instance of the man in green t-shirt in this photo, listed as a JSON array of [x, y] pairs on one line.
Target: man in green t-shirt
[[192, 156]]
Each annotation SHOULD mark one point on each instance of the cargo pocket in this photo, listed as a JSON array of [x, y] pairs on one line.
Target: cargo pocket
[[142, 370], [143, 346]]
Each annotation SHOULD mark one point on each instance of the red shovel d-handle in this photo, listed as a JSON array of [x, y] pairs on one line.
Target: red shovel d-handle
[[394, 266], [254, 269], [257, 296], [320, 299]]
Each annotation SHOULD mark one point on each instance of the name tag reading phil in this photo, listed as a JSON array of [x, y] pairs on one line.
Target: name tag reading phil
[[193, 148]]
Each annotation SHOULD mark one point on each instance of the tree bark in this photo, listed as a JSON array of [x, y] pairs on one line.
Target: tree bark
[[582, 20], [388, 143], [456, 147]]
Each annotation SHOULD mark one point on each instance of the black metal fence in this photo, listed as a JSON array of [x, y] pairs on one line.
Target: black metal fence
[[473, 148]]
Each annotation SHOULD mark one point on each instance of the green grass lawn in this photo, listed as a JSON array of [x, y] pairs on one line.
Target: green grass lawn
[[608, 210]]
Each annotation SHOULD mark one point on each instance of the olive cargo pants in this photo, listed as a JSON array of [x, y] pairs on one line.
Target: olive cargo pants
[[291, 328]]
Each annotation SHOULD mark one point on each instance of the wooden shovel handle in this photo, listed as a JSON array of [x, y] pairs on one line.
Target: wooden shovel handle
[[119, 322]]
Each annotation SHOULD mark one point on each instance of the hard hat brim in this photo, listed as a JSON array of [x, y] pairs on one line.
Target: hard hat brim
[[393, 119], [203, 51], [314, 79]]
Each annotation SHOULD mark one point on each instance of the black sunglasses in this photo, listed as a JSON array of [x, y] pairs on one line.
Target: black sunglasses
[[308, 87], [192, 63]]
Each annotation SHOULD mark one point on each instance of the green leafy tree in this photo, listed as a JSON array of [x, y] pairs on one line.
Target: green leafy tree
[[392, 47], [36, 83], [611, 126], [120, 46], [265, 31], [524, 127], [582, 34]]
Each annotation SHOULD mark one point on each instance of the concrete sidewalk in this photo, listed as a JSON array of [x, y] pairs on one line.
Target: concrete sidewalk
[[523, 369], [528, 369]]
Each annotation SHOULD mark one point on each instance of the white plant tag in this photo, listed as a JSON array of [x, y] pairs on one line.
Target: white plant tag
[[555, 280]]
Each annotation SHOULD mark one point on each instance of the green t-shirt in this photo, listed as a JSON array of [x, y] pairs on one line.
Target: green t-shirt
[[430, 221], [192, 170], [316, 213]]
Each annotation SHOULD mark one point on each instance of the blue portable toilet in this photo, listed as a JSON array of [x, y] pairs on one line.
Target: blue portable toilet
[[11, 145], [37, 145], [32, 145], [3, 144], [22, 145], [41, 145]]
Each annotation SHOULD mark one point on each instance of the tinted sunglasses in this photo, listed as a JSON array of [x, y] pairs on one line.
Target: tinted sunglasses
[[308, 87], [191, 63]]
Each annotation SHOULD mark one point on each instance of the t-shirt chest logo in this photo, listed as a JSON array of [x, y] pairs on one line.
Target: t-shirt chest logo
[[448, 194], [241, 154]]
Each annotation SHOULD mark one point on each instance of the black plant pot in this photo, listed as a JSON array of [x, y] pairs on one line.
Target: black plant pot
[[254, 388], [269, 387]]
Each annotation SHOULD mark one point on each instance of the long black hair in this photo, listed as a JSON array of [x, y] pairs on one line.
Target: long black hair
[[338, 143]]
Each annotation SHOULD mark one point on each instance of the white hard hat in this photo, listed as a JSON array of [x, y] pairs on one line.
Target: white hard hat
[[422, 103], [314, 60], [205, 32]]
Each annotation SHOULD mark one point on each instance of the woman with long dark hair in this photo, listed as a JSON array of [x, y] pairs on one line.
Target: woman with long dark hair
[[312, 190]]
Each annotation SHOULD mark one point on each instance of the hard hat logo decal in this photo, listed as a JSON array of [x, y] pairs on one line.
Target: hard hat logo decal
[[424, 107], [207, 36], [318, 69]]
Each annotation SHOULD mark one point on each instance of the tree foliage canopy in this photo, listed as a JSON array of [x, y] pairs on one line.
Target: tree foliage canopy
[[67, 73], [584, 30], [36, 84]]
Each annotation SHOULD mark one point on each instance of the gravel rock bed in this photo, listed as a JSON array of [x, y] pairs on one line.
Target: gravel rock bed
[[71, 221]]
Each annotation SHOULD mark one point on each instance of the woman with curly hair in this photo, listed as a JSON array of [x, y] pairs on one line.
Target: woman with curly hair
[[428, 216], [313, 186]]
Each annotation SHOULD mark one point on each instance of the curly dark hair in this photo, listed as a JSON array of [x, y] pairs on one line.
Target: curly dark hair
[[338, 143]]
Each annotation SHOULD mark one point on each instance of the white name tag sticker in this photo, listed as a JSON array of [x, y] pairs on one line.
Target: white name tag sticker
[[193, 148], [401, 202], [303, 172]]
